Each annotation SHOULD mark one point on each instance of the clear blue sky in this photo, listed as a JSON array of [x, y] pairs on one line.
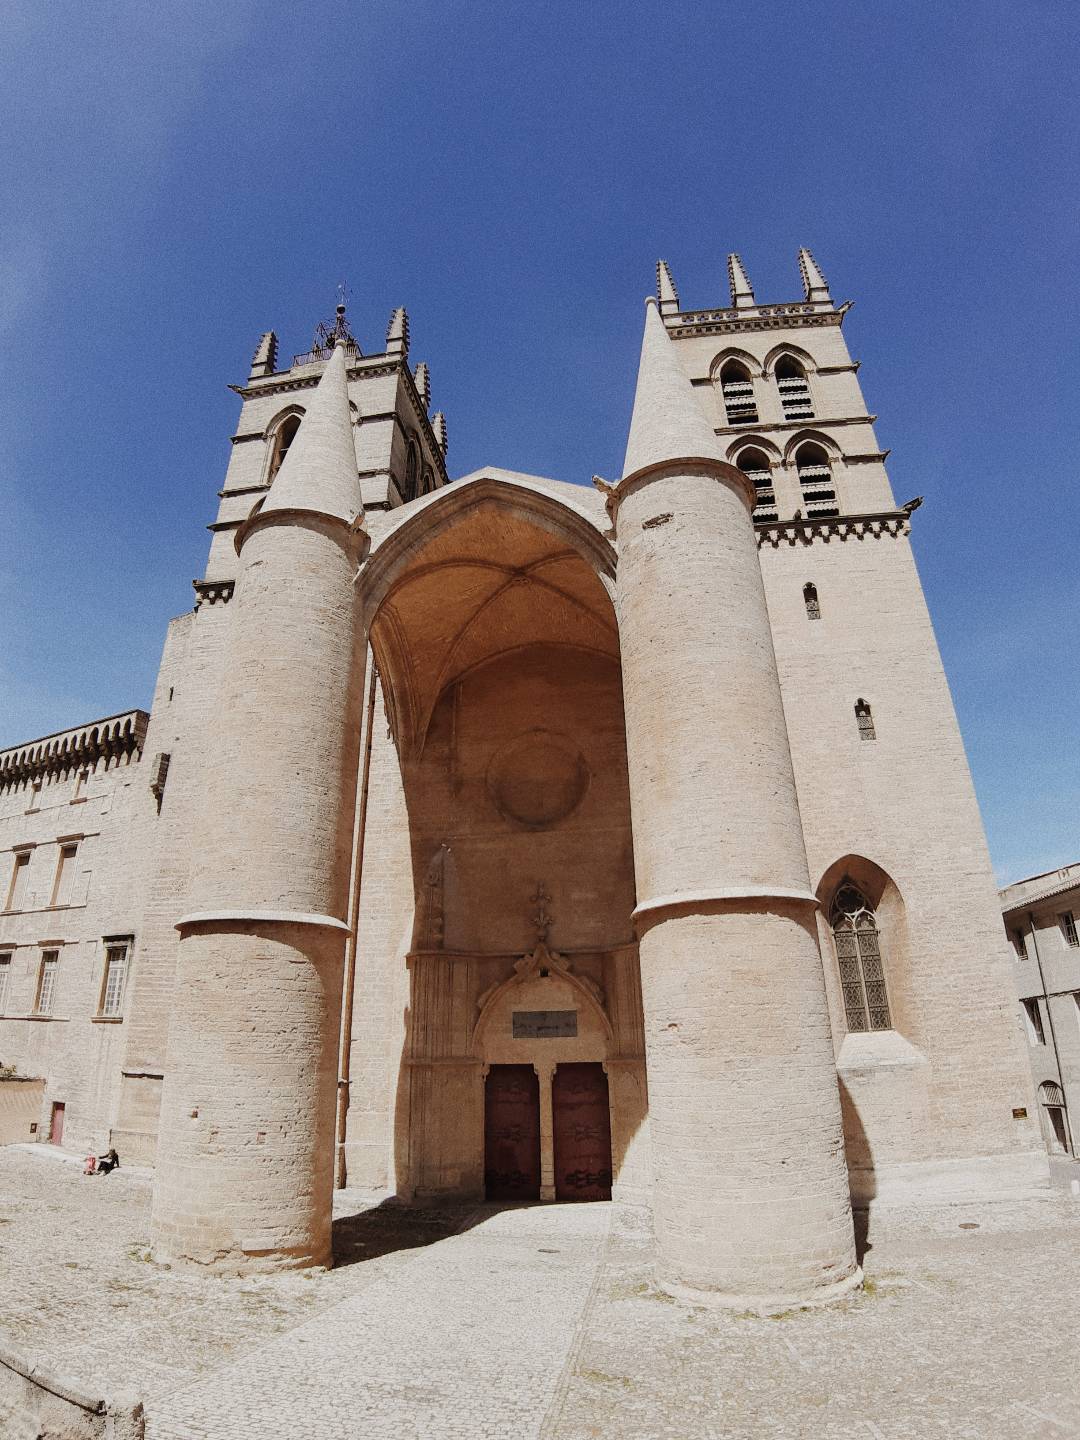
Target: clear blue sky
[[179, 178]]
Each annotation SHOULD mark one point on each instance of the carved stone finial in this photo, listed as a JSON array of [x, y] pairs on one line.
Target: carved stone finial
[[542, 918], [264, 361], [438, 424], [397, 332], [422, 377], [666, 293]]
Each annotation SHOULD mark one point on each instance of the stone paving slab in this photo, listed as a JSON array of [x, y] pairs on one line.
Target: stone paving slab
[[544, 1323]]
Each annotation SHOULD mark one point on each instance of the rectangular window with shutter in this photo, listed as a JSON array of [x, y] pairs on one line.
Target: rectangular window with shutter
[[20, 870], [112, 987], [1067, 921], [65, 875], [46, 990]]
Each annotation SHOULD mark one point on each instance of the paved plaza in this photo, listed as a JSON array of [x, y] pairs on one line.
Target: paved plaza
[[541, 1322]]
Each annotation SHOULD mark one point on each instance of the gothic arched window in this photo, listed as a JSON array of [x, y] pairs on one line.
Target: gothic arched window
[[810, 598], [738, 391], [754, 464], [412, 472], [815, 480], [858, 951], [794, 389], [283, 438]]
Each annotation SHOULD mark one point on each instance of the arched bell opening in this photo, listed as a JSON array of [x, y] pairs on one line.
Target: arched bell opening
[[498, 656]]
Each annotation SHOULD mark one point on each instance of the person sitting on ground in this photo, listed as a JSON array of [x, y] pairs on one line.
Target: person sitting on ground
[[109, 1161]]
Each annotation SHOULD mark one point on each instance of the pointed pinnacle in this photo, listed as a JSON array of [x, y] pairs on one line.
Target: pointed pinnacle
[[319, 473], [814, 282], [264, 361], [438, 424], [742, 292], [668, 422], [397, 332], [666, 293], [422, 378]]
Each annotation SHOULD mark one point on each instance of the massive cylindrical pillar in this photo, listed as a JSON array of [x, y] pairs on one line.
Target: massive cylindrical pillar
[[246, 1151], [751, 1192]]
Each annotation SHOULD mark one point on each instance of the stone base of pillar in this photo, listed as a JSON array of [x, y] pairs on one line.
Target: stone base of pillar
[[245, 1169], [750, 1179], [763, 1304]]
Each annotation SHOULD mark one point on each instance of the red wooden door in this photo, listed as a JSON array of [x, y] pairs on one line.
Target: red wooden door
[[512, 1133], [56, 1124], [582, 1119]]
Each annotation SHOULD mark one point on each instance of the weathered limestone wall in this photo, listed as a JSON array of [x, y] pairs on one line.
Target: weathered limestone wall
[[751, 1198], [840, 416], [165, 848], [381, 990], [21, 1108], [245, 1161], [74, 1048], [946, 1085]]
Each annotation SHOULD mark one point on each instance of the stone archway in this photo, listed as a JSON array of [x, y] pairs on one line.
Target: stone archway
[[497, 649]]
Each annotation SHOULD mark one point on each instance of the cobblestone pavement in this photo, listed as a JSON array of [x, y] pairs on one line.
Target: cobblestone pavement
[[542, 1323]]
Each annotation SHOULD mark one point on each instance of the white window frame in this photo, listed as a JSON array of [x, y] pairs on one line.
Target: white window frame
[[111, 999], [48, 970]]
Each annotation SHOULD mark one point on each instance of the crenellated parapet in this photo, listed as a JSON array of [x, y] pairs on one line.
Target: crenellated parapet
[[116, 738], [838, 527]]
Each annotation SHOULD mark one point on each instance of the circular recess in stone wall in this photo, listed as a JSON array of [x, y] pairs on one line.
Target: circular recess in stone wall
[[538, 778]]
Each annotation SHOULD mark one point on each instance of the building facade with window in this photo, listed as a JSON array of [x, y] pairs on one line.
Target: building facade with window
[[515, 838], [1042, 922]]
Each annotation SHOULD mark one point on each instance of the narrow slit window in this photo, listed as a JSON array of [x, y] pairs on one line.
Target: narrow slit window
[[1020, 944], [864, 719], [813, 604], [46, 990], [5, 980], [1033, 1016], [858, 953]]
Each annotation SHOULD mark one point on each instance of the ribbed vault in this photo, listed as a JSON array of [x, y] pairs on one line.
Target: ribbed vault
[[486, 580]]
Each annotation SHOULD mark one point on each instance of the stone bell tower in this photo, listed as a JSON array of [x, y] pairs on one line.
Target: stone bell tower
[[751, 1190], [245, 1158]]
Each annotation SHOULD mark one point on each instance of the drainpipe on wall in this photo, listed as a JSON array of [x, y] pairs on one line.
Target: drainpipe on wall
[[348, 982], [1053, 1032]]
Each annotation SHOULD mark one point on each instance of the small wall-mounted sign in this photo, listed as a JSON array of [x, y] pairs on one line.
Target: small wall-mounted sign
[[545, 1024], [1020, 1112]]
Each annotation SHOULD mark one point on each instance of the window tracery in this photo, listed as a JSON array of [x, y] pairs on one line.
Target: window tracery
[[858, 953]]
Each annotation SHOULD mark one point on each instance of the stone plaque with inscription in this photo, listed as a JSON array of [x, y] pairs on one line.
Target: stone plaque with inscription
[[545, 1024]]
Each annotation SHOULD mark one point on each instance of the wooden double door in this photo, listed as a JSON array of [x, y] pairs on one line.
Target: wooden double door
[[581, 1133]]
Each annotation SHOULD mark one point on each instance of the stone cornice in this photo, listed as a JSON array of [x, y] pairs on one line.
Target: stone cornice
[[763, 317], [814, 422], [832, 527], [212, 592], [116, 735]]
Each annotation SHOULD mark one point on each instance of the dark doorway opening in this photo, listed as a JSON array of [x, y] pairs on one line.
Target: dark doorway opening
[[56, 1124], [512, 1133], [582, 1121]]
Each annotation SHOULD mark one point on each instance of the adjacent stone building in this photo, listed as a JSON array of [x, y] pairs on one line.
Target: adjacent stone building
[[1042, 920], [519, 838]]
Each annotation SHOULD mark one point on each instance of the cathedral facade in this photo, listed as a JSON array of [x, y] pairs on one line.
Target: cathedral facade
[[523, 840]]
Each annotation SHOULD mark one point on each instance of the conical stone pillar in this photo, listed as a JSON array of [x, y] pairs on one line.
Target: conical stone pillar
[[751, 1190], [245, 1162]]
